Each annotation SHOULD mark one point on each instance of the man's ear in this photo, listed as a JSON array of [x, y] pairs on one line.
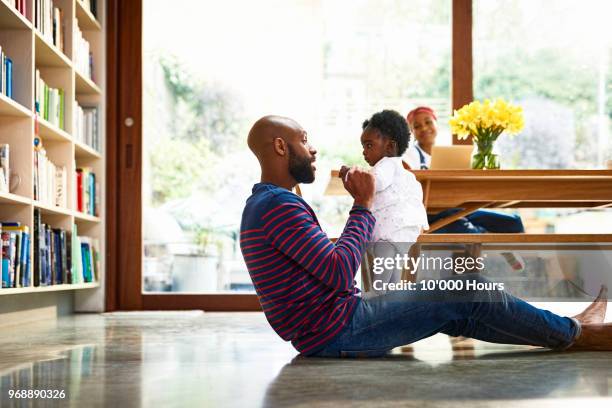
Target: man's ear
[[280, 146]]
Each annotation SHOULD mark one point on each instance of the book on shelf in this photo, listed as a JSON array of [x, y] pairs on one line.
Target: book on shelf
[[87, 198], [91, 67], [7, 271], [76, 257], [50, 180], [37, 247], [49, 20], [91, 6], [83, 59], [20, 6], [6, 76], [86, 125], [49, 102], [50, 248], [4, 167], [51, 265], [15, 255], [61, 182], [87, 259]]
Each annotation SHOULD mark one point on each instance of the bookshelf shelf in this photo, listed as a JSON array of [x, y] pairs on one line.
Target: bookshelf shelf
[[86, 20], [9, 198], [47, 55], [82, 151], [79, 216], [50, 209], [85, 85], [30, 52], [9, 107], [51, 288], [48, 132], [12, 19]]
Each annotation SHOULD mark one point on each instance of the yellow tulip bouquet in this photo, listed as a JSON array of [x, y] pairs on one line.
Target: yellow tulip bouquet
[[485, 122]]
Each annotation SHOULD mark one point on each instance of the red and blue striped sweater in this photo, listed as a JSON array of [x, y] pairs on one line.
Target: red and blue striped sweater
[[305, 283]]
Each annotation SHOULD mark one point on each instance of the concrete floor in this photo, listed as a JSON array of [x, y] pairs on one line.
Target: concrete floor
[[195, 359]]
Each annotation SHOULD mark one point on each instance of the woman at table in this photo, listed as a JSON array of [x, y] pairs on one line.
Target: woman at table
[[422, 123]]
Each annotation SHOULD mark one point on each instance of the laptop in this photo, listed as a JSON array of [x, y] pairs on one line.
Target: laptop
[[458, 157]]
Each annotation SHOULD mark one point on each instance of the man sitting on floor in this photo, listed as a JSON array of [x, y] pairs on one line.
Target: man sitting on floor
[[305, 283]]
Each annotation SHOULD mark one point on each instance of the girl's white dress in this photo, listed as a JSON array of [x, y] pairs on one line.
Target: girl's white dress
[[400, 216]]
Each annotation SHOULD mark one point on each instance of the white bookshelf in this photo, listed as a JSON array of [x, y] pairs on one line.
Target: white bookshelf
[[52, 288], [30, 50]]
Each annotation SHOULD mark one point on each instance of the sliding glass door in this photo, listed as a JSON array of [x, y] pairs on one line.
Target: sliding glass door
[[189, 78], [211, 68]]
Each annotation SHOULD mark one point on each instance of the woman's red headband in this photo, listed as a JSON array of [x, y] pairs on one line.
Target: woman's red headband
[[420, 109]]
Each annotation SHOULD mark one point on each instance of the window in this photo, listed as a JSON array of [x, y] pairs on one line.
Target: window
[[210, 69], [553, 58]]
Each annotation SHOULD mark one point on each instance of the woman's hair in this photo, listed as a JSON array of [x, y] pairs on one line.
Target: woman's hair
[[420, 109], [392, 125]]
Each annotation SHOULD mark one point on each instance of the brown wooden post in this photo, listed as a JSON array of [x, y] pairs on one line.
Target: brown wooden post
[[112, 273], [462, 74]]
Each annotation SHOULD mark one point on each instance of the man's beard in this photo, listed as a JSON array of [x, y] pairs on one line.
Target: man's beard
[[300, 167]]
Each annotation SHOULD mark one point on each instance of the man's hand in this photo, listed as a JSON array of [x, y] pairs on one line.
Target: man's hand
[[343, 171], [360, 184]]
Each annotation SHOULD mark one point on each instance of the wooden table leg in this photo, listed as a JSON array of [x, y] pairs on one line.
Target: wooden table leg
[[426, 192], [452, 218]]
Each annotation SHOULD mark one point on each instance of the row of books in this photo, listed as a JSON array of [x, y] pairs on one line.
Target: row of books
[[49, 20], [20, 5], [15, 255], [87, 191], [83, 58], [6, 74], [49, 102], [60, 257], [4, 167], [86, 125], [91, 5], [50, 180]]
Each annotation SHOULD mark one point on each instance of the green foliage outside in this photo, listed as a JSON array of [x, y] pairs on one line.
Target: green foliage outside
[[204, 126]]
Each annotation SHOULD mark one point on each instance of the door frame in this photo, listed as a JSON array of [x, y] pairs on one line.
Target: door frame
[[124, 175]]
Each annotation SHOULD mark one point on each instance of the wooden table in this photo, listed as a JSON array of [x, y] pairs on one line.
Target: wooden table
[[472, 190]]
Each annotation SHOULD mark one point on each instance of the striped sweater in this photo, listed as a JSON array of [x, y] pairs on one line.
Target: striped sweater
[[304, 282]]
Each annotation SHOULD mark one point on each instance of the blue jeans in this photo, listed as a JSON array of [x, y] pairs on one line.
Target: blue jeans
[[402, 317], [478, 222]]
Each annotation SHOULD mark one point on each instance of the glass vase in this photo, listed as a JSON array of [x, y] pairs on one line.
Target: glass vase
[[484, 156]]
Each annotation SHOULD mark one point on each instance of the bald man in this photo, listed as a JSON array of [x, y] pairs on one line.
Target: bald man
[[305, 283]]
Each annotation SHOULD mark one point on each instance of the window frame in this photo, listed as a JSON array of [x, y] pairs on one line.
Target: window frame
[[124, 159]]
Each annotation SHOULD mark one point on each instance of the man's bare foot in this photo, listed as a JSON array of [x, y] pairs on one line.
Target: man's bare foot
[[595, 337], [596, 311], [461, 343]]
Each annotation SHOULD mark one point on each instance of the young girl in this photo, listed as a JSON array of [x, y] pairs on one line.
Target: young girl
[[398, 201]]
